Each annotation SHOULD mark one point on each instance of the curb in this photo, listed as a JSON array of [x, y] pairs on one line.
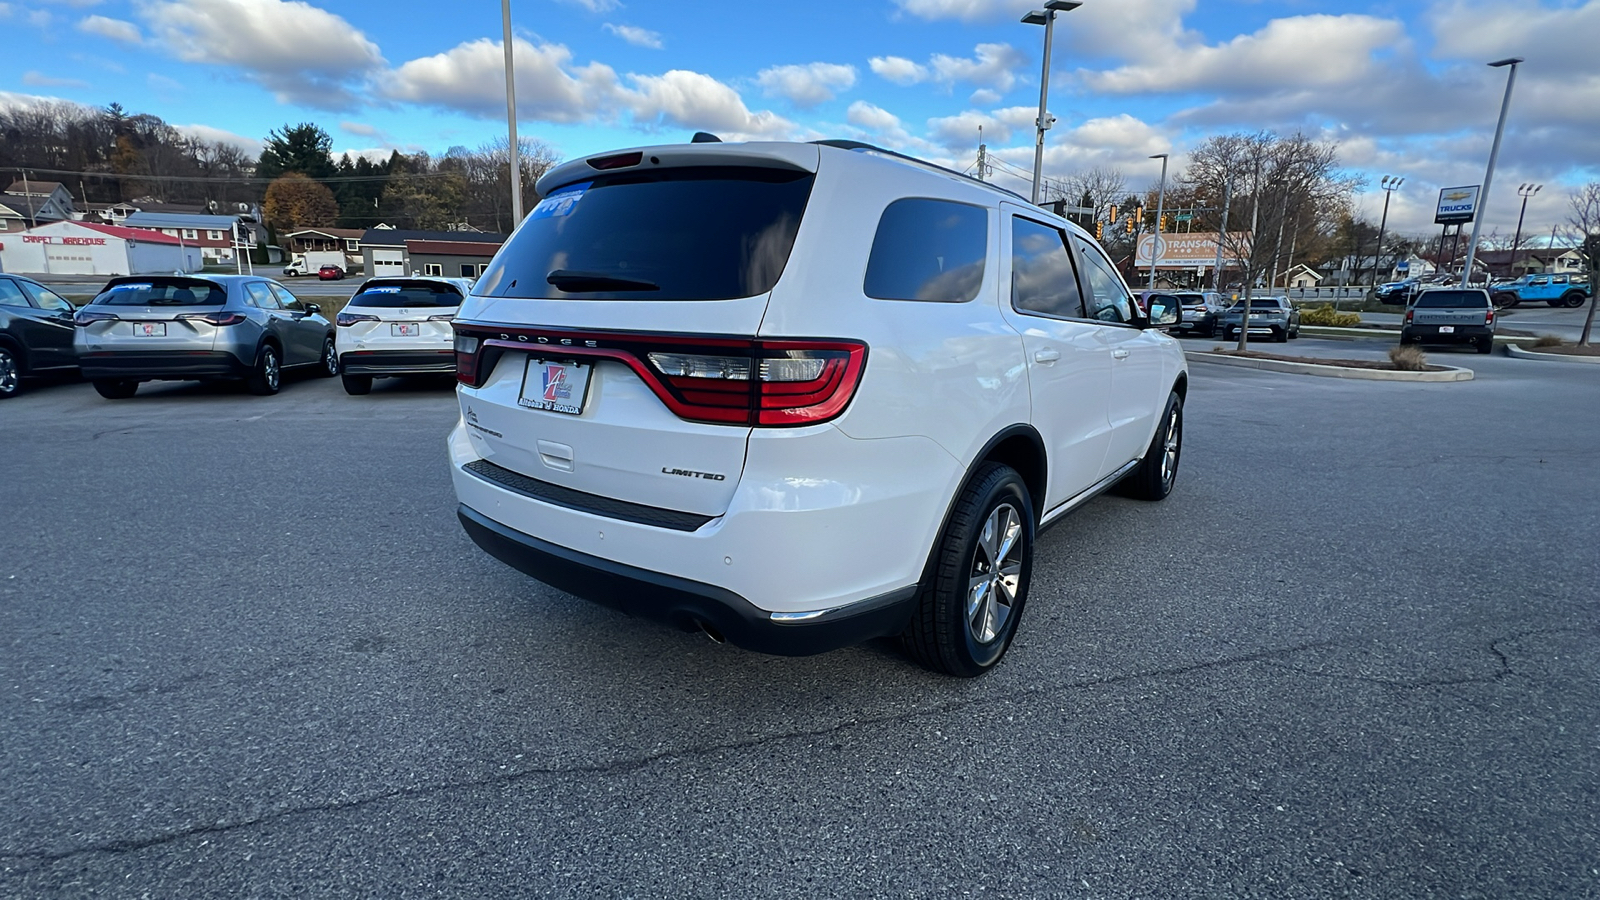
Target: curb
[[1278, 365], [1516, 352]]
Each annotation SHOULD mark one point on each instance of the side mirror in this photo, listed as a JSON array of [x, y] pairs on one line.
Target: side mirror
[[313, 309], [1164, 312]]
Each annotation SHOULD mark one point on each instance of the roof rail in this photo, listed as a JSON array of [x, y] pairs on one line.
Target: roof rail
[[859, 145]]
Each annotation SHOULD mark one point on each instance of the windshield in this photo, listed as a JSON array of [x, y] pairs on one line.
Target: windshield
[[413, 293], [1192, 299], [1452, 300], [163, 292], [1260, 303], [694, 233]]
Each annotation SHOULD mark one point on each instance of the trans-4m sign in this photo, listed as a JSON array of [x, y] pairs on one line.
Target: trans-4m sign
[[1457, 205]]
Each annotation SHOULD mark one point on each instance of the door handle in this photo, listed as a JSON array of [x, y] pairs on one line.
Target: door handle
[[1119, 354], [1047, 356]]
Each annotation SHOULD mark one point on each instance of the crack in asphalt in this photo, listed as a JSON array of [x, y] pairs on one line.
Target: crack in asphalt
[[625, 766]]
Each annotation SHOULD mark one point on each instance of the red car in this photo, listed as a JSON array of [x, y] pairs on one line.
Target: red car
[[330, 273]]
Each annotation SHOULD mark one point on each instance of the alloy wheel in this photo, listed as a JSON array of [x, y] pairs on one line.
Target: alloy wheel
[[10, 379], [996, 574], [1169, 449], [269, 368]]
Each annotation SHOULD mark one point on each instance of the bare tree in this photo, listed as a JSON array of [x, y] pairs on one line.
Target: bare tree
[[1585, 203]]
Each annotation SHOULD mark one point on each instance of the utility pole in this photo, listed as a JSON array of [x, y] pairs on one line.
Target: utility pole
[[511, 117], [1222, 232], [1526, 191], [982, 150], [1161, 208], [1488, 173], [28, 194]]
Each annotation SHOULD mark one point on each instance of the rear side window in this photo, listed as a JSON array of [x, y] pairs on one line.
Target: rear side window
[[407, 295], [693, 233], [1452, 300], [1042, 277], [930, 250], [163, 292]]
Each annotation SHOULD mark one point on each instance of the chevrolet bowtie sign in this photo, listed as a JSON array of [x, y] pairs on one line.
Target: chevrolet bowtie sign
[[1457, 205]]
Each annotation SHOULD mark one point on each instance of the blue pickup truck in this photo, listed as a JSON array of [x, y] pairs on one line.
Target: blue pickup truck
[[1556, 290]]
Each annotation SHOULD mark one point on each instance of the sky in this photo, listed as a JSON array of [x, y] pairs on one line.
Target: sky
[[1402, 87]]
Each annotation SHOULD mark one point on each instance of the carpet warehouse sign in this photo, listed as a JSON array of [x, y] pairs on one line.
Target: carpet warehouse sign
[[1457, 205], [68, 241]]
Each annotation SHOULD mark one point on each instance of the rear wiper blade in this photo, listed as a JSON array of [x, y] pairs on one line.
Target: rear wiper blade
[[575, 282]]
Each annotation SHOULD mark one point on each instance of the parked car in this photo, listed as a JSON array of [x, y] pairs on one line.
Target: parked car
[[1554, 290], [35, 333], [1450, 316], [681, 396], [1397, 293], [1202, 310], [1274, 317], [330, 273], [398, 326], [199, 327]]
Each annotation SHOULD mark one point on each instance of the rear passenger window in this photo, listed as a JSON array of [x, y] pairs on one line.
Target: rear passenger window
[[1108, 298], [1042, 279], [928, 250]]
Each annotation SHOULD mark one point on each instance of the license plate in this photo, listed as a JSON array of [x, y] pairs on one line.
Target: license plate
[[409, 329], [149, 329], [1447, 329], [555, 386]]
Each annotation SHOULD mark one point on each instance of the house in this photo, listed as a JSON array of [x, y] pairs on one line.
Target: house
[[1302, 276], [50, 201], [393, 251], [90, 248], [321, 240], [214, 235]]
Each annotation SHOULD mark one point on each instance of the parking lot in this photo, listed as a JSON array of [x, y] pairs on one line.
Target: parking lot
[[249, 652]]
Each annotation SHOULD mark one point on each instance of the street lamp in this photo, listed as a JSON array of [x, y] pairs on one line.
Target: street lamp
[[1494, 154], [1389, 184], [1047, 18], [1526, 191], [511, 117], [1161, 208]]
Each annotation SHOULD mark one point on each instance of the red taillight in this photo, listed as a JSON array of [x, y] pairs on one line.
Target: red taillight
[[717, 380], [89, 317], [1408, 316], [213, 318], [345, 320], [1488, 317]]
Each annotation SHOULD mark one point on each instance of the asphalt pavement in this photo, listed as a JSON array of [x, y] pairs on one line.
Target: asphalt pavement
[[247, 651]]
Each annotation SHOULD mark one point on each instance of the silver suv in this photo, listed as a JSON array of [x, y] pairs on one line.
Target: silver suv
[[196, 328]]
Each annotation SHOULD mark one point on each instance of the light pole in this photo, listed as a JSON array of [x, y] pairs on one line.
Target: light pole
[[1494, 154], [1222, 232], [511, 117], [1526, 191], [1161, 208], [1047, 18], [1389, 184]]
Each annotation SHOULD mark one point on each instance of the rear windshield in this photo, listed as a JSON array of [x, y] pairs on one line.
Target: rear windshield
[[163, 292], [407, 294], [1261, 303], [1192, 299], [1452, 300], [694, 233]]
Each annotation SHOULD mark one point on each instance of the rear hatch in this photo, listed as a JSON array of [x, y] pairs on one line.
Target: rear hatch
[[609, 348], [1447, 307], [399, 313], [159, 313]]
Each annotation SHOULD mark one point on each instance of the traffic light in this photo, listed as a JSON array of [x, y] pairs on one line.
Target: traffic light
[[1099, 231], [1139, 214], [1129, 222], [1113, 215], [1163, 224]]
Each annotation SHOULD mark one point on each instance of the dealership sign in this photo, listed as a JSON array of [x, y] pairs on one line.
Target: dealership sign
[[1189, 250], [1457, 205]]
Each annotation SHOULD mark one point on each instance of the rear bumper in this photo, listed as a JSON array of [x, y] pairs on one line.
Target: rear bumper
[[1429, 334], [685, 603], [398, 362], [177, 365], [1197, 322]]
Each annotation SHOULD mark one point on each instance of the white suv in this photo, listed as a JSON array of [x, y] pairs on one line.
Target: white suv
[[801, 395], [398, 326]]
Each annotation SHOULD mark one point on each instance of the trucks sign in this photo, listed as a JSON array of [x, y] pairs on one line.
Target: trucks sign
[[1457, 205]]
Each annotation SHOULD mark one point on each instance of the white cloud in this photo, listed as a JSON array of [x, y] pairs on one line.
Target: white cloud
[[9, 100], [639, 37], [5, 10], [984, 97], [360, 129], [114, 29], [1555, 39], [808, 85], [989, 67], [965, 10], [36, 79], [693, 100], [40, 18], [302, 53], [1272, 59], [212, 135], [877, 125], [898, 69], [595, 6], [76, 4], [372, 154], [164, 85]]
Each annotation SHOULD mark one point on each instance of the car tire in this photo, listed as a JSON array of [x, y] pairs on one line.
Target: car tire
[[116, 388], [1572, 299], [1155, 475], [329, 366], [1486, 344], [1281, 335], [1504, 299], [356, 385], [266, 377], [10, 374], [967, 612]]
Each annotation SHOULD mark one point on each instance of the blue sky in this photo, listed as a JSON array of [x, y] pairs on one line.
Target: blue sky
[[1401, 86]]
